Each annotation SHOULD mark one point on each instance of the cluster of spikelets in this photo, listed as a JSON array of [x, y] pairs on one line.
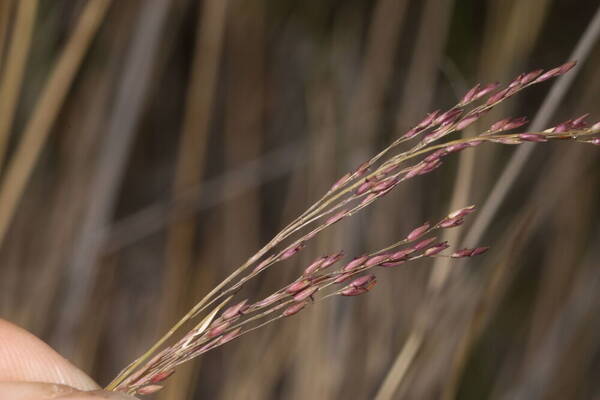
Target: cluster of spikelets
[[351, 193]]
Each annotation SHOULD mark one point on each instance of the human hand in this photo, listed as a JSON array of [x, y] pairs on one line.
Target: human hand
[[31, 370]]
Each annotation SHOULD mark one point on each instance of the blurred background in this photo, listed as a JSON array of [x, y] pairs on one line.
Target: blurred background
[[149, 147]]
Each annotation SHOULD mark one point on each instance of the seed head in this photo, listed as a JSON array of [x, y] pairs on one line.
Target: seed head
[[361, 169], [463, 123], [359, 285], [336, 217], [389, 264], [479, 250], [297, 286], [364, 187], [497, 97], [262, 265], [423, 243], [385, 185], [292, 250], [436, 155], [376, 260], [438, 248], [418, 232], [235, 310], [355, 263], [402, 254], [342, 278], [515, 123], [340, 182], [229, 336], [294, 308], [274, 298], [451, 222], [149, 389], [462, 253], [315, 266], [532, 137], [531, 76], [486, 90], [428, 120], [306, 293], [353, 291], [161, 376], [219, 329], [462, 212], [332, 259], [470, 95]]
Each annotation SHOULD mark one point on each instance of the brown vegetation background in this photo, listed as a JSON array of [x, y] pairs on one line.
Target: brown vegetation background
[[148, 147]]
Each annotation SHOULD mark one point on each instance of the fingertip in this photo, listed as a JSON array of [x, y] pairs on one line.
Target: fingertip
[[51, 391], [24, 357]]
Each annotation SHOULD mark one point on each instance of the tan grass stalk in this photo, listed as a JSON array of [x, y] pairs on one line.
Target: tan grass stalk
[[46, 110], [16, 61]]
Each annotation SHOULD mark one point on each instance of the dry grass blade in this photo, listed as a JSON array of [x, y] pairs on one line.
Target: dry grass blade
[[51, 99], [5, 14], [401, 365], [14, 70]]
